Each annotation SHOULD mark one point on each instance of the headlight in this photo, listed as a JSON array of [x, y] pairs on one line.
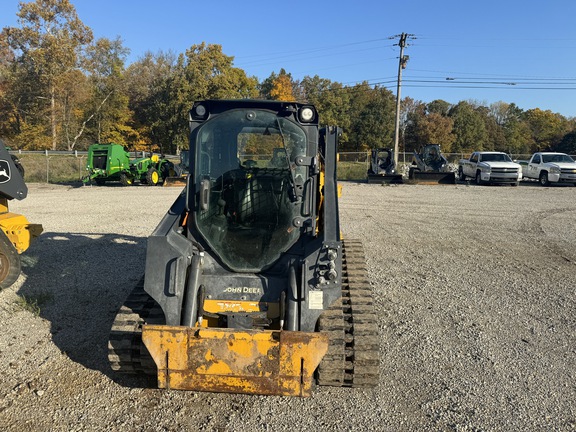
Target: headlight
[[486, 169], [306, 114], [199, 112], [554, 169]]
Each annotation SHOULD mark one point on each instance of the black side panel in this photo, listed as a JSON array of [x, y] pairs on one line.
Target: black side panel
[[168, 256], [329, 146], [11, 182], [322, 266]]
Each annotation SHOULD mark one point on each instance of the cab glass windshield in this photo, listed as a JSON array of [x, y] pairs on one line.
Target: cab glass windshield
[[246, 176]]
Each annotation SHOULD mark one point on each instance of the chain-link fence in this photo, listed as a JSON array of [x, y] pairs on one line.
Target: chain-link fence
[[58, 167], [55, 168], [407, 157], [66, 167]]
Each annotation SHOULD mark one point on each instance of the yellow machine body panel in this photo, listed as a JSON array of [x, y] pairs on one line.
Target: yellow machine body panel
[[216, 306], [19, 231], [265, 362]]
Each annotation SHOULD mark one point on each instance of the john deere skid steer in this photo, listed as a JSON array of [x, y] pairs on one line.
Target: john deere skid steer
[[248, 286], [16, 233]]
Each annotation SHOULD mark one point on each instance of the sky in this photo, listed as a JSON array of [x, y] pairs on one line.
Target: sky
[[514, 51]]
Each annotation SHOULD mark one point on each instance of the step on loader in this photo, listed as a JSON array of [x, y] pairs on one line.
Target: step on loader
[[248, 286], [16, 233]]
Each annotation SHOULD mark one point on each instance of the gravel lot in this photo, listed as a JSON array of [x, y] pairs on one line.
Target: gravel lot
[[475, 292]]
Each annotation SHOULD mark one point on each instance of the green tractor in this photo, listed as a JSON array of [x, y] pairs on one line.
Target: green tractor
[[150, 170], [110, 162], [106, 162]]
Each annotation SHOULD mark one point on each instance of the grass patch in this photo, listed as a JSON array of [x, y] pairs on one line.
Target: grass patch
[[54, 168], [352, 170], [34, 303], [40, 168]]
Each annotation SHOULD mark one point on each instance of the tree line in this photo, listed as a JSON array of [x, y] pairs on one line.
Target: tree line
[[61, 89]]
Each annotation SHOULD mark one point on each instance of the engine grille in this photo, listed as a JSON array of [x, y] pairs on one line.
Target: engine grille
[[505, 170]]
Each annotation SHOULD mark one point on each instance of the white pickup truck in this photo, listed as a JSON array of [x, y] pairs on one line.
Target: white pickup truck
[[490, 167], [549, 167]]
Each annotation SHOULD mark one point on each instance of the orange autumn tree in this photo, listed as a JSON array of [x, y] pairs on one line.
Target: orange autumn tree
[[282, 87]]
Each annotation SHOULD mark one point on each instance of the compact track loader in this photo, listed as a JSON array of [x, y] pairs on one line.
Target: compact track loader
[[431, 167], [181, 171], [248, 287], [382, 168], [16, 233]]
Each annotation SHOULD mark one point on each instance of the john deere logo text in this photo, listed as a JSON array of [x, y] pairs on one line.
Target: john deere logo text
[[243, 290]]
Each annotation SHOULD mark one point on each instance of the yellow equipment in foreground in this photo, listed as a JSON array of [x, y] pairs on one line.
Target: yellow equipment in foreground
[[248, 286], [16, 233], [226, 360]]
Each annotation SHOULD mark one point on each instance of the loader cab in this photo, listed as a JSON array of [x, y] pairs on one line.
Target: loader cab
[[251, 163]]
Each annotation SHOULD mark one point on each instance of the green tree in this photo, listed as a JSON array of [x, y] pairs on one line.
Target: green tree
[[516, 130], [373, 118], [410, 111], [108, 110], [439, 106], [49, 45], [147, 89], [567, 144], [547, 128], [495, 137], [469, 128], [213, 75], [168, 87], [435, 128], [428, 124]]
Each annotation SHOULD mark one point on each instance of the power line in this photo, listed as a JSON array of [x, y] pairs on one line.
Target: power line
[[309, 56], [484, 75], [490, 87], [449, 81], [297, 53]]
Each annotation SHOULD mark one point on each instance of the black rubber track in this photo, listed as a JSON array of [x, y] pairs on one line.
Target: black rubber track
[[126, 352], [353, 354]]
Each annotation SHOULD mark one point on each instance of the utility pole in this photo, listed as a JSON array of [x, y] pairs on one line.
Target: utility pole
[[401, 65]]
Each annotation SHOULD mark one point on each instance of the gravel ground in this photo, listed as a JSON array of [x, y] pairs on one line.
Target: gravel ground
[[474, 287]]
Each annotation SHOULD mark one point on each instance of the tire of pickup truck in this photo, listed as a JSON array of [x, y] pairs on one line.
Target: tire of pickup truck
[[479, 179], [461, 175], [544, 178]]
